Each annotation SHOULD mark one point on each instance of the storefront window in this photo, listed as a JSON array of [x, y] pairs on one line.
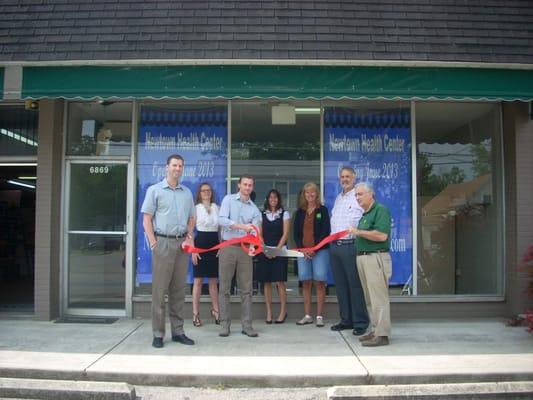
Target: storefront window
[[374, 138], [198, 132], [99, 129], [18, 131], [458, 174], [279, 145], [459, 202]]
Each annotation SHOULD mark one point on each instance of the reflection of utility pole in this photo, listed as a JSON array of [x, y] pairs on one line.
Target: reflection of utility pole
[[457, 271]]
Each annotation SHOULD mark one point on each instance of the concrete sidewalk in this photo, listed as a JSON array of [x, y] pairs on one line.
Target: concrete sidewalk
[[421, 351]]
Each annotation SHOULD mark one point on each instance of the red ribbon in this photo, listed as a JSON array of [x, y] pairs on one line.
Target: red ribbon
[[326, 240], [253, 244]]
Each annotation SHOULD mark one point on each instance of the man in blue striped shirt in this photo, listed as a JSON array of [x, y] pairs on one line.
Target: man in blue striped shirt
[[237, 215]]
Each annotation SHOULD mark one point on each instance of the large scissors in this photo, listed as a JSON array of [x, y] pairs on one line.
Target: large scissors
[[283, 252]]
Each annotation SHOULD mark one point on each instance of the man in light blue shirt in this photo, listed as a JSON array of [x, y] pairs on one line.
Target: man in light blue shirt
[[237, 215], [168, 221]]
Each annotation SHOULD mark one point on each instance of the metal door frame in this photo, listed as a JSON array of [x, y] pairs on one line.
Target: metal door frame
[[127, 310]]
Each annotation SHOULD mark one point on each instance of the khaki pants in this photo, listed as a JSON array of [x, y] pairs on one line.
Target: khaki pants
[[375, 270], [169, 275], [232, 259]]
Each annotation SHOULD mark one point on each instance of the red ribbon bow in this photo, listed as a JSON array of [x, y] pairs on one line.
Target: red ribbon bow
[[253, 244]]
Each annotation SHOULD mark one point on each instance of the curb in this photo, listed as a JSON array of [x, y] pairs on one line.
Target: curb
[[489, 390], [64, 390]]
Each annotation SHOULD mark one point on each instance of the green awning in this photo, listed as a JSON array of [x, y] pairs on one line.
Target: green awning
[[282, 82]]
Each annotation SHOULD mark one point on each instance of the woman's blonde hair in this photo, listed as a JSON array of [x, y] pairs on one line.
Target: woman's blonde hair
[[302, 202]]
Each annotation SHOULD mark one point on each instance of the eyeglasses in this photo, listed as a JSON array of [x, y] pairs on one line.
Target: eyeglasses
[[359, 194]]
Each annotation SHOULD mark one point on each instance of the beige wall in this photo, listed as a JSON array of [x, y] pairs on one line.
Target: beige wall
[[399, 310], [47, 211], [518, 144]]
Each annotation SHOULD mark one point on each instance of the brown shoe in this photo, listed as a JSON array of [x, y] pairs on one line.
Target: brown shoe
[[376, 341], [366, 337]]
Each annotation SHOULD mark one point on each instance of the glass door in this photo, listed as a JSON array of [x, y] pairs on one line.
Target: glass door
[[96, 238]]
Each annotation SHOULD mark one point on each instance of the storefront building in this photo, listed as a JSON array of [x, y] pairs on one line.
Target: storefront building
[[445, 136]]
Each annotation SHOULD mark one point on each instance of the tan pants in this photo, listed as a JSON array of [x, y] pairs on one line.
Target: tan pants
[[169, 275], [375, 270], [232, 259]]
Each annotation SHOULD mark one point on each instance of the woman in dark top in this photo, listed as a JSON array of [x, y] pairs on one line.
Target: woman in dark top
[[311, 225], [275, 230]]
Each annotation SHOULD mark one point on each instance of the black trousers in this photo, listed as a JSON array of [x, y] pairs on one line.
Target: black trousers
[[352, 306]]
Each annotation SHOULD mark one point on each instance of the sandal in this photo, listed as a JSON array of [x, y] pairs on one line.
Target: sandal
[[216, 316], [196, 321]]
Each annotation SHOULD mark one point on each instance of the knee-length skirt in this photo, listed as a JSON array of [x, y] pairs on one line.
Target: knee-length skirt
[[208, 264]]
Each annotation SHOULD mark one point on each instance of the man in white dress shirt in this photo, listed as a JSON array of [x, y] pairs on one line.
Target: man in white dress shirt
[[345, 214]]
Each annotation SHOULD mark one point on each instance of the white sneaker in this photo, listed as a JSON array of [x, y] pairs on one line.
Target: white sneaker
[[319, 321], [307, 319]]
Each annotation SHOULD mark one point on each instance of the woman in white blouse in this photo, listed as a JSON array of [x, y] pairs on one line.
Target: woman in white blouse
[[205, 264]]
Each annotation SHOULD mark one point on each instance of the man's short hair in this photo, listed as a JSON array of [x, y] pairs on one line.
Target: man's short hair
[[175, 157], [246, 177], [366, 186], [349, 169]]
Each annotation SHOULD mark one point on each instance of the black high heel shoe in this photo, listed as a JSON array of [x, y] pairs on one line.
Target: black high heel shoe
[[215, 314], [268, 321], [282, 321]]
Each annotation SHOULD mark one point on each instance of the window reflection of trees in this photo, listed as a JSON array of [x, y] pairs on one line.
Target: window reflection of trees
[[457, 231]]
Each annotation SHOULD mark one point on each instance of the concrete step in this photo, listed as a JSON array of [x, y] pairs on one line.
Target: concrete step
[[16, 388], [225, 393], [456, 391]]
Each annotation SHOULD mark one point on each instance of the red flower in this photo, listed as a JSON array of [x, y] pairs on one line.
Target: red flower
[[528, 255]]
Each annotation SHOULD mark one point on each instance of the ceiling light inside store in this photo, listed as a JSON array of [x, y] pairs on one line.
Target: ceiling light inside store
[[28, 178], [18, 137], [17, 183], [307, 110], [283, 114], [18, 164]]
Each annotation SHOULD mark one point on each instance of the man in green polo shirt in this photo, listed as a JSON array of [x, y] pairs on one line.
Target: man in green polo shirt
[[374, 263]]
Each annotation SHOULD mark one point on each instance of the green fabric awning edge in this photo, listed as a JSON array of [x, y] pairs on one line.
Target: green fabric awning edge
[[277, 82]]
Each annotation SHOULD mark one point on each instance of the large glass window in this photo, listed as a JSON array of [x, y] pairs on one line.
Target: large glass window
[[17, 236], [18, 131], [459, 202], [374, 138], [99, 129], [279, 145], [196, 131], [458, 173]]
